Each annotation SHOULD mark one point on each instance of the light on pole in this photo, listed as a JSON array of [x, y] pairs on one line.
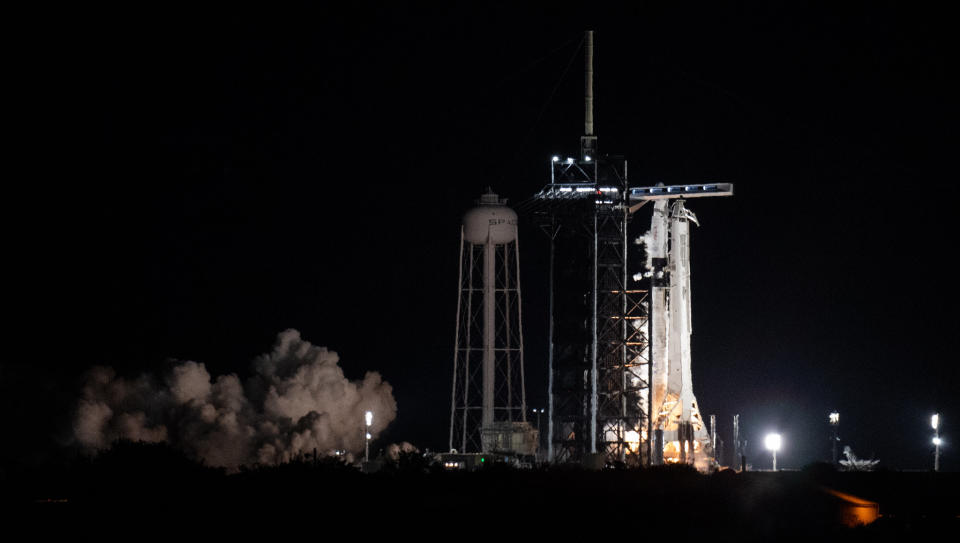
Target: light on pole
[[835, 423], [368, 418], [772, 443], [935, 423], [538, 412]]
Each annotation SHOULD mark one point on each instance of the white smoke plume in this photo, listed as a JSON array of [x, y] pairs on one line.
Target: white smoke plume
[[296, 401]]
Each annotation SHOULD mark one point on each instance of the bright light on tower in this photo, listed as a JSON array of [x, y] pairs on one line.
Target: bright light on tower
[[587, 158], [834, 418], [937, 441], [369, 417], [935, 421], [556, 158]]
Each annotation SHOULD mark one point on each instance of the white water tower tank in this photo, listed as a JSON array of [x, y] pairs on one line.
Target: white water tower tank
[[490, 222]]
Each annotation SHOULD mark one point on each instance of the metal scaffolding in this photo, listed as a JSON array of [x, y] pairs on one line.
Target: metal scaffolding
[[599, 368]]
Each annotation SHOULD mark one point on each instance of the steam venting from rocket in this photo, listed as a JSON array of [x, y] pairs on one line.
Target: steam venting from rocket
[[296, 401]]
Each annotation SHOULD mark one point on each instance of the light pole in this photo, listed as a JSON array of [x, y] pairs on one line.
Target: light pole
[[538, 412], [368, 418], [835, 423], [935, 423], [772, 442]]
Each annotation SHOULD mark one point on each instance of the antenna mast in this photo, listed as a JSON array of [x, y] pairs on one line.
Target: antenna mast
[[588, 143]]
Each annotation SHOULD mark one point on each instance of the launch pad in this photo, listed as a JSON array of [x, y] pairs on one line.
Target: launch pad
[[619, 363], [620, 382]]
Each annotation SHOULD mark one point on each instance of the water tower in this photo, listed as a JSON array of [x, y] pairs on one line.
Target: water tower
[[488, 407]]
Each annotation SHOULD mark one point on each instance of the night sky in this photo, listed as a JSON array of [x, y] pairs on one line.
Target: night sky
[[186, 185]]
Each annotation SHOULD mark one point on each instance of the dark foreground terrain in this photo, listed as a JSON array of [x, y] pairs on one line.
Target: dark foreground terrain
[[151, 485]]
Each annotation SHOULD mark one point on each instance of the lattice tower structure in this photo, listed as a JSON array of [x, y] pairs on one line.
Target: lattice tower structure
[[598, 362]]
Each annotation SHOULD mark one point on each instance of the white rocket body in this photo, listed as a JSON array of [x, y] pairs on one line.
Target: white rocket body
[[671, 325], [657, 249]]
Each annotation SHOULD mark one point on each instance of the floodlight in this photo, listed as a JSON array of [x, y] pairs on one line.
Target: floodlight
[[772, 443], [935, 423]]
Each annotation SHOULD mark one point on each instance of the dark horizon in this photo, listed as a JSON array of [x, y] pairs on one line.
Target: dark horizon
[[198, 183]]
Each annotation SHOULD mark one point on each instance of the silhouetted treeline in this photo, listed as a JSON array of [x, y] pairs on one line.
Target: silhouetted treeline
[[675, 501]]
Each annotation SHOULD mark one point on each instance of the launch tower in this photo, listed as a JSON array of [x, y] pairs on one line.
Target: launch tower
[[619, 361]]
